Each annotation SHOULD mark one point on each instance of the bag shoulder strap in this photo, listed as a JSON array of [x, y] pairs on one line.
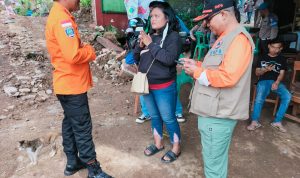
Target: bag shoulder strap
[[150, 66]]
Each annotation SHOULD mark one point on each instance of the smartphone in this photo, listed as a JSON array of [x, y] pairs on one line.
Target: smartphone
[[179, 62]]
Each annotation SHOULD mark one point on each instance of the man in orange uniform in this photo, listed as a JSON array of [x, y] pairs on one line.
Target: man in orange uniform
[[222, 89], [71, 80]]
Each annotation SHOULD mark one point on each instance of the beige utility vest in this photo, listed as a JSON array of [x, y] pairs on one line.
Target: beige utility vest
[[230, 103]]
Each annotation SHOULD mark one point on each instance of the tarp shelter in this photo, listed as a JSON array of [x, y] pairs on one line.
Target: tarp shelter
[[137, 8], [111, 12]]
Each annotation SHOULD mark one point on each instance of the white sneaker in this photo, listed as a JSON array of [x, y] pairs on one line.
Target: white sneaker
[[142, 119], [180, 118]]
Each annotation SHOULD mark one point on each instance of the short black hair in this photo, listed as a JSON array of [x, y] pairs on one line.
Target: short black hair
[[169, 13], [276, 41]]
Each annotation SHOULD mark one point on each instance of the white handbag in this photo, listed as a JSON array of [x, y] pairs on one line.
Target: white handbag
[[140, 82]]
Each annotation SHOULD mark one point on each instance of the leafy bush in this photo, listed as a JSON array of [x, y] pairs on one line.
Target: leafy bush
[[187, 15], [33, 7], [42, 7], [22, 7], [86, 3]]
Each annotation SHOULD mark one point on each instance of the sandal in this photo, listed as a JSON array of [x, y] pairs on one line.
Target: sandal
[[253, 126], [278, 127], [171, 155], [153, 150]]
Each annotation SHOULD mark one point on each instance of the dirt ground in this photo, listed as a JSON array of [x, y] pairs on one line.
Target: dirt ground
[[120, 142]]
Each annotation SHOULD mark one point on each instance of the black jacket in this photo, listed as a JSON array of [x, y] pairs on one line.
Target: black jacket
[[164, 68]]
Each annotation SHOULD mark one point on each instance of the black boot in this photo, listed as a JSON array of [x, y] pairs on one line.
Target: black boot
[[73, 168], [95, 171]]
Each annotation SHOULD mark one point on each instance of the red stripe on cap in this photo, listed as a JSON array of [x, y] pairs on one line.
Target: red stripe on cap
[[206, 11], [219, 6], [201, 17]]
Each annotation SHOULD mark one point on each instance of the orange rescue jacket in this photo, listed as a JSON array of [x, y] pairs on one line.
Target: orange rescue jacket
[[69, 57]]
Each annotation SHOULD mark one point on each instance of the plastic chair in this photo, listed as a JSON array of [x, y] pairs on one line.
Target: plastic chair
[[183, 78], [295, 90], [202, 45], [208, 39]]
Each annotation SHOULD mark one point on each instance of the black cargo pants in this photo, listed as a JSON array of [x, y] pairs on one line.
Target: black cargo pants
[[77, 128]]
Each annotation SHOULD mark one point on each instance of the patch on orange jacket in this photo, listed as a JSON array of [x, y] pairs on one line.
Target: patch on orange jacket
[[70, 32]]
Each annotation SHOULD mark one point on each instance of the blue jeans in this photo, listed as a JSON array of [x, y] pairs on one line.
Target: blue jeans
[[262, 91], [178, 111], [143, 107], [145, 112], [161, 105]]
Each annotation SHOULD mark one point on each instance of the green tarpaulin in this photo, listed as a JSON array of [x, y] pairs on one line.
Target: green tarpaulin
[[113, 6]]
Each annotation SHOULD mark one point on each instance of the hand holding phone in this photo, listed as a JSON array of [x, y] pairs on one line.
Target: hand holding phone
[[270, 67], [179, 62]]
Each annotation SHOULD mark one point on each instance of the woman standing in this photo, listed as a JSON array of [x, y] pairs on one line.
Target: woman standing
[[157, 54]]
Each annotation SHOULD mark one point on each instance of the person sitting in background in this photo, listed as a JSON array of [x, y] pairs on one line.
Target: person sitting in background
[[270, 70], [156, 54]]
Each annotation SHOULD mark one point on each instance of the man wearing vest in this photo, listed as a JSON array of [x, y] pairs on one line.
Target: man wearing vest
[[222, 89], [71, 80]]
